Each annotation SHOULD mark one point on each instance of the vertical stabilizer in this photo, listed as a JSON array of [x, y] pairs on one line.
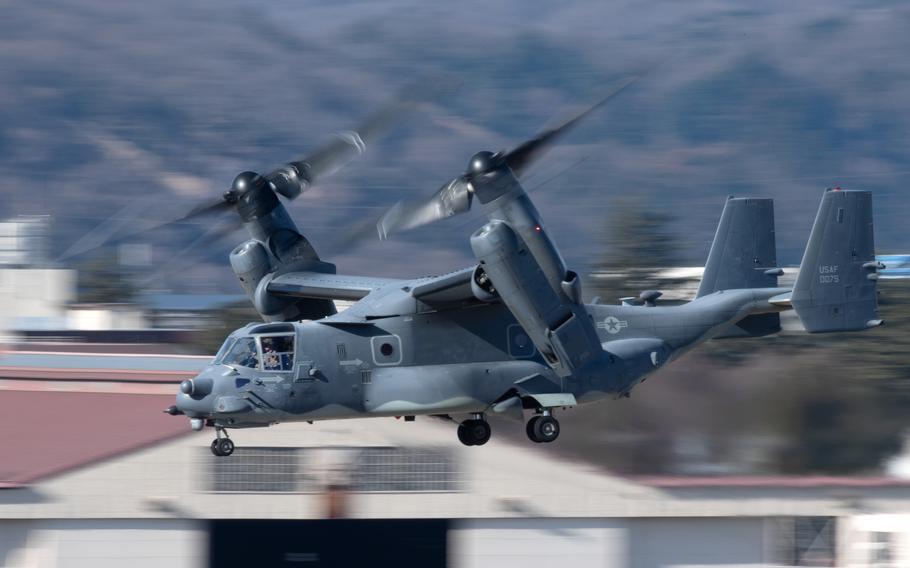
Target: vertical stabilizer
[[744, 253], [836, 286]]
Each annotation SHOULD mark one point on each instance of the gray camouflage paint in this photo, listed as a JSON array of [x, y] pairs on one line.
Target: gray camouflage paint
[[453, 352]]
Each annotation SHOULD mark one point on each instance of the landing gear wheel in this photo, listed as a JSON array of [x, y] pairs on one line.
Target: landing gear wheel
[[542, 429], [463, 436], [474, 432], [529, 429], [225, 446], [214, 447], [479, 431], [546, 429]]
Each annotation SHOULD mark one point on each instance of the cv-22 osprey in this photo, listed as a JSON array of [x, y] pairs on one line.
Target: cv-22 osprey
[[509, 334]]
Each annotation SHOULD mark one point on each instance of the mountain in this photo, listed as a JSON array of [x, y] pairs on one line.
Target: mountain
[[122, 115]]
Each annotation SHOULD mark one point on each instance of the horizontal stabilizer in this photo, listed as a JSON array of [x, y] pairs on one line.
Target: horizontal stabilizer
[[836, 286]]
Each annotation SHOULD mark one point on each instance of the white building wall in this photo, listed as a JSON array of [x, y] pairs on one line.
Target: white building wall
[[35, 297], [507, 543], [83, 543], [696, 542], [609, 543], [99, 319], [876, 541]]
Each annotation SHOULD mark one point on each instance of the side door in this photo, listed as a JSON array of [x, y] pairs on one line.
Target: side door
[[310, 378], [349, 373]]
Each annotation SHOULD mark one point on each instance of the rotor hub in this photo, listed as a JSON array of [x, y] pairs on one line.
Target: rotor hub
[[246, 181], [483, 162]]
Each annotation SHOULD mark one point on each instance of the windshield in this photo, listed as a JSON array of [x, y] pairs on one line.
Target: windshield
[[277, 352], [223, 350], [243, 354]]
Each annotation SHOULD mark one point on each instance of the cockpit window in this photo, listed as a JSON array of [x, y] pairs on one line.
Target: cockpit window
[[277, 352], [224, 349], [243, 353]]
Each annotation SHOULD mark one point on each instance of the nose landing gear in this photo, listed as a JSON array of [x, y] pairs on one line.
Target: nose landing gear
[[222, 447]]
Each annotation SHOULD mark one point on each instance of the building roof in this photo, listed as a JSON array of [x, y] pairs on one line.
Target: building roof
[[60, 411], [769, 481], [49, 432], [61, 435]]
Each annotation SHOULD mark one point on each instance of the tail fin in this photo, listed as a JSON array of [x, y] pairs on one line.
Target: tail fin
[[744, 253], [836, 286]]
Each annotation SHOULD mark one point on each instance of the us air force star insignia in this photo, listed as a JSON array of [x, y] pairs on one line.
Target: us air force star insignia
[[612, 324]]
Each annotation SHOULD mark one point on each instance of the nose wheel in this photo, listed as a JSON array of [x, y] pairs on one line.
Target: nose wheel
[[474, 432], [222, 447], [543, 429]]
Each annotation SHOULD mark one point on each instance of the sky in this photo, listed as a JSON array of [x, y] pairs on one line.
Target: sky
[[115, 117]]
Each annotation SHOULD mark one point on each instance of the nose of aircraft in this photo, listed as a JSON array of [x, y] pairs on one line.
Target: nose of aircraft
[[194, 398]]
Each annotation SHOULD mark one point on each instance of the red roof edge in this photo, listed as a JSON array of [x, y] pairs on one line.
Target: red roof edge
[[770, 481]]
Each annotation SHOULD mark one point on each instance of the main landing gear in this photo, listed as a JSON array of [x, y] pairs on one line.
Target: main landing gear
[[474, 432], [543, 428], [222, 447]]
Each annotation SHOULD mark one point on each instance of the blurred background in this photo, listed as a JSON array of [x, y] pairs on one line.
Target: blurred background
[[118, 117]]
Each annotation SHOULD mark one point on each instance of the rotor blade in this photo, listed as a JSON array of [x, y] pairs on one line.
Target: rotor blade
[[365, 230], [455, 197], [139, 230], [108, 229], [451, 199], [188, 254], [521, 157], [351, 237], [207, 208], [296, 177]]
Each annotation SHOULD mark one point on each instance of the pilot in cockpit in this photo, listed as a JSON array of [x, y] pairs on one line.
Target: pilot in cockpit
[[250, 358], [271, 359], [278, 353]]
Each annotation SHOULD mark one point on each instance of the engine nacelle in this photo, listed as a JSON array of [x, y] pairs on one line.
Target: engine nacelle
[[253, 266], [250, 262], [482, 286], [559, 327]]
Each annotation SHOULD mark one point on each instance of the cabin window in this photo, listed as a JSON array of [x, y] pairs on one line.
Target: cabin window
[[243, 354], [277, 352], [386, 349]]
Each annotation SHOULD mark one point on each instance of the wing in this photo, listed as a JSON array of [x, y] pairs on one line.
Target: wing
[[454, 287], [319, 285]]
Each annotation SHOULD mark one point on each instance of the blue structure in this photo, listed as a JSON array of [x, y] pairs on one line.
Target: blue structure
[[896, 266]]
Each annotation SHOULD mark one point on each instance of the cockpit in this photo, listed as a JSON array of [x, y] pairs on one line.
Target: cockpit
[[262, 352]]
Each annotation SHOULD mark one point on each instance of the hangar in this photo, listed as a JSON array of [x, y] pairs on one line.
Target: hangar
[[95, 475]]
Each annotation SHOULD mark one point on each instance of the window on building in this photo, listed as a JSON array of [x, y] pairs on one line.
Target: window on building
[[310, 470], [259, 470], [806, 541], [880, 550], [397, 469]]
